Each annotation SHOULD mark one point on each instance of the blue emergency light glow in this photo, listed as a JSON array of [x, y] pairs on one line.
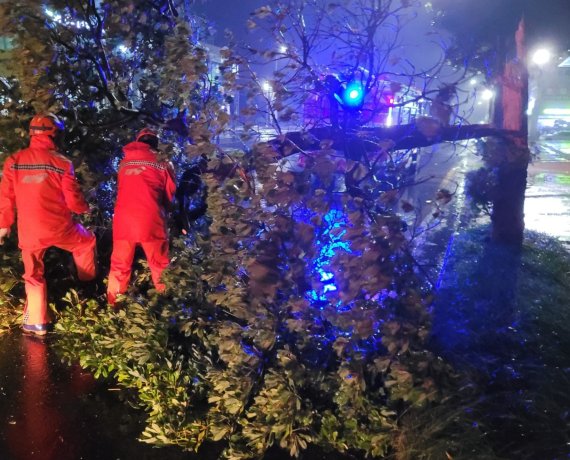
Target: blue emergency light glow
[[353, 94]]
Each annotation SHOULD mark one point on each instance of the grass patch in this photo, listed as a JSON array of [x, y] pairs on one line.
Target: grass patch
[[502, 318]]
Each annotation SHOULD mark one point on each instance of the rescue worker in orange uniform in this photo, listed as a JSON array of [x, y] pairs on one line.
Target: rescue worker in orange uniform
[[38, 184], [146, 187]]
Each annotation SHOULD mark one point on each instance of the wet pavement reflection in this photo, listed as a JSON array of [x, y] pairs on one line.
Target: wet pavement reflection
[[547, 202], [51, 411]]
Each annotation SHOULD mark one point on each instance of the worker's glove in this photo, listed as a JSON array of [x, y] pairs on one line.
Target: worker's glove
[[4, 233]]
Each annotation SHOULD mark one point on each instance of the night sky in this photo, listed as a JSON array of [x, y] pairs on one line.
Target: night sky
[[547, 20], [228, 14]]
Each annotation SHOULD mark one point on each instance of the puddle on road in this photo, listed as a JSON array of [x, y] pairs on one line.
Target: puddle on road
[[547, 204], [51, 411], [554, 151], [552, 179], [550, 215]]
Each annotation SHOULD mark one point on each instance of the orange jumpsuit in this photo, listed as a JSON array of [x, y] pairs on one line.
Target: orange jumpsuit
[[39, 185], [146, 187]]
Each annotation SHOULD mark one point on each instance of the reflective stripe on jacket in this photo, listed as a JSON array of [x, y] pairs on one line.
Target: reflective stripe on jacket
[[145, 190], [39, 185]]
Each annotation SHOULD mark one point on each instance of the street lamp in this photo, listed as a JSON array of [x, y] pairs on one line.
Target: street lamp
[[488, 94], [280, 55], [537, 72], [541, 56], [267, 89]]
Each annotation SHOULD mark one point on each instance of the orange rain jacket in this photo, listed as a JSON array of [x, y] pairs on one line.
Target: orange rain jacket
[[40, 184], [145, 190]]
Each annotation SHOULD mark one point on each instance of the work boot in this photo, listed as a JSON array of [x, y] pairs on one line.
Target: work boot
[[36, 329]]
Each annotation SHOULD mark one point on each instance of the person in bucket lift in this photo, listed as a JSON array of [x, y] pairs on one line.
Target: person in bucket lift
[[38, 184], [146, 187]]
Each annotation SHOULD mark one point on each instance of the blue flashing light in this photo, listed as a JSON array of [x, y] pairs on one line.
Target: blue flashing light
[[353, 95], [329, 288], [329, 244]]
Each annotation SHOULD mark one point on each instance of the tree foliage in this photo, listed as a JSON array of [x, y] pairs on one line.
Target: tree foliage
[[316, 46], [299, 320], [310, 331], [108, 68]]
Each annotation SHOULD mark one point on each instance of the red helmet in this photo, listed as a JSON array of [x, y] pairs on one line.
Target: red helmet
[[47, 124], [146, 132]]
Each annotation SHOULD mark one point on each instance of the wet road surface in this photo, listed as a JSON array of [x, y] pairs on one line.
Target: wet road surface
[[51, 411], [547, 202]]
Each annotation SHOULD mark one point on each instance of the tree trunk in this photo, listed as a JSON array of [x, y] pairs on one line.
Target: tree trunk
[[510, 114], [508, 206]]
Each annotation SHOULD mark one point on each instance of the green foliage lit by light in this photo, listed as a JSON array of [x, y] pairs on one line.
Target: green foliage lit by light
[[234, 353]]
